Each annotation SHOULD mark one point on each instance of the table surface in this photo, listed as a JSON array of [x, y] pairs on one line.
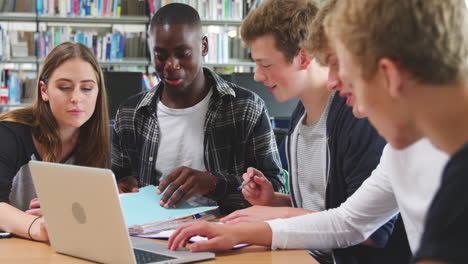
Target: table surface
[[17, 250]]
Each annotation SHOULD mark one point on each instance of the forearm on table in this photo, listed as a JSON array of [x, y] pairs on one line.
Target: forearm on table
[[14, 220], [248, 233], [321, 230]]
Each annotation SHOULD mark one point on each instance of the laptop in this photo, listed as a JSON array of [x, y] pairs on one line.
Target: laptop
[[84, 218]]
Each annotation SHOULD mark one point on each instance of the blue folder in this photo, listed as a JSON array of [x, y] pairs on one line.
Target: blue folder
[[143, 208]]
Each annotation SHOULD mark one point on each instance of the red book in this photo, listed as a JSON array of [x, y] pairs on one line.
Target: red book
[[3, 95]]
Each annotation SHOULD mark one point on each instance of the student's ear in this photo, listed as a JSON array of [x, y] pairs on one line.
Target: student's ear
[[43, 87], [393, 76], [204, 46], [305, 59]]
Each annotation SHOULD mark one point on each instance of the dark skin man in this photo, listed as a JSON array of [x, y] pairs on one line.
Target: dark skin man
[[178, 51]]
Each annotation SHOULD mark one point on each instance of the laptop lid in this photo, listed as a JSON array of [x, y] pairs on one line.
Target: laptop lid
[[84, 218]]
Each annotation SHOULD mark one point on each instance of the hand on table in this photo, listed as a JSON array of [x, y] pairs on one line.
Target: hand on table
[[128, 184], [256, 213], [183, 183]]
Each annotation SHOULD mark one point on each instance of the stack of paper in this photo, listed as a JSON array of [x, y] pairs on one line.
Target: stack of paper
[[143, 214]]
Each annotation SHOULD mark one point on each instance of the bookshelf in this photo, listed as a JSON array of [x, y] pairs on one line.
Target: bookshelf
[[29, 29]]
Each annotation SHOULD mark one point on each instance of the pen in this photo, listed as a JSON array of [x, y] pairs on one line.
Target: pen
[[242, 185]]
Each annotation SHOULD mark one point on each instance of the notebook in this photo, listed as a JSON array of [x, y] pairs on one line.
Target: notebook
[[143, 214], [84, 218]]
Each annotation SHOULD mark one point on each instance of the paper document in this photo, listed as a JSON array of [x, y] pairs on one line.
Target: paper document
[[142, 209]]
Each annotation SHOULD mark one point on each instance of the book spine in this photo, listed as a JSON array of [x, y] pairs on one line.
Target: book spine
[[76, 7], [3, 87], [146, 82], [14, 89], [87, 7], [39, 7], [108, 46]]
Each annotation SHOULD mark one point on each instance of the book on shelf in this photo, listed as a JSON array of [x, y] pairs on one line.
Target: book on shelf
[[106, 47], [207, 9], [24, 6], [17, 44], [116, 45], [3, 95], [150, 80], [3, 88], [15, 87], [91, 8], [223, 48], [7, 6], [143, 214]]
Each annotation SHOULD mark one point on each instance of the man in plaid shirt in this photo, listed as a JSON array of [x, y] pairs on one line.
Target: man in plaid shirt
[[194, 134]]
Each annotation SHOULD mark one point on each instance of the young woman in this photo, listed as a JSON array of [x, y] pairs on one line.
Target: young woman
[[68, 123]]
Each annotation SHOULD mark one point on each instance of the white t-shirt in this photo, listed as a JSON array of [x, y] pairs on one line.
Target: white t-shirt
[[405, 181], [309, 156], [181, 135]]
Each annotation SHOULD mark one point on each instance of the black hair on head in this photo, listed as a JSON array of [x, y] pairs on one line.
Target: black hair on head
[[176, 13]]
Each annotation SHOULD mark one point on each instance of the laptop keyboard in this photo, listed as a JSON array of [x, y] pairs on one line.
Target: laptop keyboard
[[143, 256]]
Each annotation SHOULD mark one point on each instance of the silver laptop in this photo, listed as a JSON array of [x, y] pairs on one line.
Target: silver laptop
[[84, 218]]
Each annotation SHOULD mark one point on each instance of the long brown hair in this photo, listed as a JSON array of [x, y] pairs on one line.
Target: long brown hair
[[93, 146]]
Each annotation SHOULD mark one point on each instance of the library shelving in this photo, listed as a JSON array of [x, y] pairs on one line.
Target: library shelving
[[116, 31]]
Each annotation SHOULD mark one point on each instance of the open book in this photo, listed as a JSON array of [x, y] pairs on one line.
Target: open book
[[143, 214]]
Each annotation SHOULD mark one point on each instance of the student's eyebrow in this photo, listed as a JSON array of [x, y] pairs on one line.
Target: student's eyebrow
[[83, 81], [68, 80], [261, 60], [63, 80]]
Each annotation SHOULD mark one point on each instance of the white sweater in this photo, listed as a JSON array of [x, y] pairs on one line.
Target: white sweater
[[405, 180]]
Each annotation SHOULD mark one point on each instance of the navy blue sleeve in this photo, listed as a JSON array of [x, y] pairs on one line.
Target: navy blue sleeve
[[357, 148], [445, 235]]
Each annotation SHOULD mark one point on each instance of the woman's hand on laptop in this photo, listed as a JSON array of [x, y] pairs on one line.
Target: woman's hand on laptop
[[183, 183], [220, 237], [128, 184]]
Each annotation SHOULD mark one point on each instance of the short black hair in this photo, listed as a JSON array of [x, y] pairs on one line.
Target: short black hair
[[176, 13]]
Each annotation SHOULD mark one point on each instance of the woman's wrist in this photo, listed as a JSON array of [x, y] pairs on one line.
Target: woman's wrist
[[31, 231], [248, 233], [293, 211]]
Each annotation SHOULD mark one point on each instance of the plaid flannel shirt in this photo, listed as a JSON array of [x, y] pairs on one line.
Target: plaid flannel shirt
[[237, 135]]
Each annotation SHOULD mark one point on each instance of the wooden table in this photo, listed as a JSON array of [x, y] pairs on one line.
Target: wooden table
[[17, 250]]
